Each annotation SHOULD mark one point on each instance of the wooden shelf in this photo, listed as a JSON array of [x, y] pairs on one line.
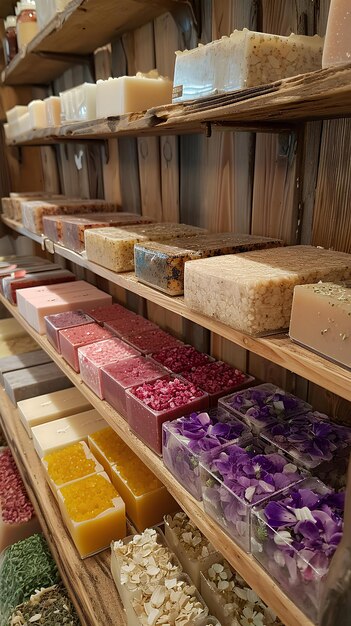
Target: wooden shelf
[[76, 32], [276, 348], [6, 7], [88, 582], [247, 567]]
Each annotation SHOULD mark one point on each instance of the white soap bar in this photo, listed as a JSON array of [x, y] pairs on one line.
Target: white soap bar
[[37, 114], [15, 113], [245, 59], [129, 94], [23, 125], [252, 292], [50, 407], [67, 430], [8, 130], [53, 111], [79, 103], [321, 320]]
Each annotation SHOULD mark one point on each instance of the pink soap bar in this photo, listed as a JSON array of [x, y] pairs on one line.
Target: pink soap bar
[[218, 379], [54, 323], [10, 285], [73, 338], [152, 341], [118, 377], [151, 404], [181, 358], [104, 314], [96, 355], [128, 326]]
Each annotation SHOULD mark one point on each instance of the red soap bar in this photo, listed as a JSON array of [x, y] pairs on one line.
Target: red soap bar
[[102, 314], [127, 326], [181, 358], [152, 341], [59, 321], [10, 285], [73, 338], [218, 379]]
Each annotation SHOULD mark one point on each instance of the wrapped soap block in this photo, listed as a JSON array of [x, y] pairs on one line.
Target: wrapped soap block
[[130, 325], [97, 355], [151, 340], [79, 103], [17, 516], [51, 406], [53, 277], [194, 551], [93, 512], [113, 248], [73, 338], [47, 605], [187, 438], [118, 377], [321, 320], [181, 358], [296, 559], [22, 361], [53, 111], [151, 404], [65, 431], [161, 265], [263, 405], [130, 94], [69, 464], [34, 381], [33, 211], [252, 292], [228, 498], [245, 59], [60, 321], [217, 379]]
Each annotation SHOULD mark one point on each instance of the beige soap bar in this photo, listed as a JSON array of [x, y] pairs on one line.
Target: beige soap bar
[[321, 320], [113, 248], [50, 407], [129, 94], [67, 430], [252, 292], [33, 211]]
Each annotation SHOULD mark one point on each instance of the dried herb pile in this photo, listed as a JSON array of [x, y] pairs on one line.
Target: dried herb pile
[[49, 607]]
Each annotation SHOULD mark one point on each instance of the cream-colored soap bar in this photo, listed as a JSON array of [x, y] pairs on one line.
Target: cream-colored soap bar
[[37, 114], [113, 248], [245, 59], [67, 430], [50, 407], [321, 320], [252, 292], [129, 94], [33, 211], [53, 111], [79, 103]]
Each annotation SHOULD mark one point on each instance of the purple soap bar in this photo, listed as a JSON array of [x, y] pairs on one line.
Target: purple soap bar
[[181, 358], [102, 314], [127, 326], [152, 341], [218, 379], [118, 377], [96, 355], [73, 338], [60, 321], [151, 404]]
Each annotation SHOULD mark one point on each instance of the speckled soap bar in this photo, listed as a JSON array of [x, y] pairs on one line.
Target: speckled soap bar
[[130, 325], [113, 248], [22, 361], [73, 338], [34, 211], [34, 381], [152, 341], [104, 314], [161, 265], [252, 292], [55, 323]]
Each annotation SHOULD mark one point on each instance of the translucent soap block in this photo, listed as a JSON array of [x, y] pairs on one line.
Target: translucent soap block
[[107, 447], [69, 464], [151, 341], [73, 338], [118, 377], [104, 314], [263, 405], [79, 103], [93, 512], [60, 321], [169, 393], [93, 357], [181, 358], [130, 325], [218, 379]]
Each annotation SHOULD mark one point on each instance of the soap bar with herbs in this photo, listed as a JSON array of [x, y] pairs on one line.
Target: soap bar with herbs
[[22, 361], [321, 320], [47, 606], [65, 431], [253, 292], [34, 381]]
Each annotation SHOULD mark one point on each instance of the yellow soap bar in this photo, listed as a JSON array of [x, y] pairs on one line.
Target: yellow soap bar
[[93, 512], [107, 447], [69, 464]]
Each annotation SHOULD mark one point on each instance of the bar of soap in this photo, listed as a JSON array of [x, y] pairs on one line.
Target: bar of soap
[[93, 512], [73, 338], [321, 320], [10, 285], [53, 111], [96, 355], [51, 406], [22, 361], [79, 103], [33, 211], [37, 114], [113, 248], [125, 326], [106, 447], [34, 381], [19, 199], [252, 292], [62, 432], [130, 94], [161, 265], [69, 464], [152, 341], [245, 59], [109, 313], [55, 323]]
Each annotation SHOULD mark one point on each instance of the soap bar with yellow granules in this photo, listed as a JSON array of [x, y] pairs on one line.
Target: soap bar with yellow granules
[[69, 464]]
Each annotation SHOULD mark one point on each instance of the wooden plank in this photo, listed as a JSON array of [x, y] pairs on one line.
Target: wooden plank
[[89, 582]]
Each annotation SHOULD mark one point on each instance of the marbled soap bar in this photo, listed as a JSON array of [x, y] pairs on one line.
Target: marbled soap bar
[[69, 464], [60, 321], [34, 381], [161, 265], [114, 247], [93, 512], [252, 292], [22, 361], [104, 314], [321, 320], [52, 277], [129, 94], [34, 211], [51, 406], [118, 377], [131, 324], [97, 355], [152, 341], [65, 431], [73, 338]]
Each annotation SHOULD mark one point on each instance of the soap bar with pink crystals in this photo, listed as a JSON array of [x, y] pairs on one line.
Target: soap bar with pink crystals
[[104, 314], [10, 285], [118, 377], [73, 338], [55, 323], [96, 355], [152, 341], [126, 326]]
